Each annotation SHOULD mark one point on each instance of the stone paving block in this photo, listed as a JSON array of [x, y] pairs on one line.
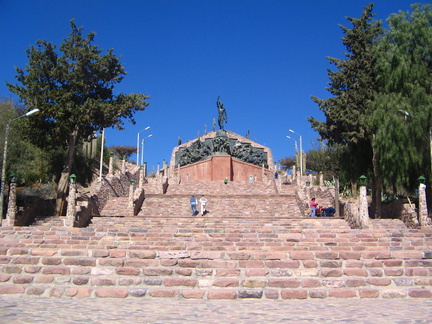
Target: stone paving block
[[393, 293], [342, 293], [103, 281], [138, 292], [170, 282], [379, 281], [226, 272], [35, 291], [25, 260], [51, 261], [294, 294], [284, 283], [164, 293], [221, 294], [420, 293], [52, 270], [318, 293], [226, 282], [44, 279], [6, 290], [157, 272], [23, 279], [257, 294], [128, 271], [111, 292]]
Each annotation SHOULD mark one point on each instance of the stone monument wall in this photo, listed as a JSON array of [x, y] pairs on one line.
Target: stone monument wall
[[221, 165], [218, 167]]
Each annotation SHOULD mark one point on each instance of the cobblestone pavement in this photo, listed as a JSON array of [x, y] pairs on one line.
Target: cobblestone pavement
[[92, 311]]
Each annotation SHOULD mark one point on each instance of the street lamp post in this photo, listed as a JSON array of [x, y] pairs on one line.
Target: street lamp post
[[295, 143], [142, 148], [295, 146], [301, 151], [3, 174], [138, 142]]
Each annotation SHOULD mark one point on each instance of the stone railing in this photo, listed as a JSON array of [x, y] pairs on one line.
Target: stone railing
[[115, 184]]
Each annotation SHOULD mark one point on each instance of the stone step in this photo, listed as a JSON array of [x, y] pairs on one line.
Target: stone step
[[233, 188], [219, 258], [217, 205]]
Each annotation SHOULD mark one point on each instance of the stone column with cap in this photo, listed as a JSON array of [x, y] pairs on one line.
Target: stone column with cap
[[110, 165], [141, 177], [71, 207], [12, 207], [363, 207], [423, 214], [131, 195]]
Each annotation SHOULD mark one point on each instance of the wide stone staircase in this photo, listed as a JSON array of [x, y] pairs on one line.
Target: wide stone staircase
[[236, 199], [164, 252]]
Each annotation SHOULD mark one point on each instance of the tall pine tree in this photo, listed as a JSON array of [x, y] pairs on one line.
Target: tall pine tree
[[353, 87], [74, 92], [402, 109]]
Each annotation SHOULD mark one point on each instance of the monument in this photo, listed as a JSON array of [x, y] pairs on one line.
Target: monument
[[221, 154], [222, 115]]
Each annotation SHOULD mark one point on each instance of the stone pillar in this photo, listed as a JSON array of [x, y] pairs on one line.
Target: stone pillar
[[123, 169], [131, 195], [298, 177], [308, 195], [141, 177], [145, 169], [12, 207], [71, 207], [110, 165], [363, 207], [321, 179], [422, 205], [293, 172]]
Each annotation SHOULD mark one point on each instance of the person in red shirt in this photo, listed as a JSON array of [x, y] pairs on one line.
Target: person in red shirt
[[313, 206]]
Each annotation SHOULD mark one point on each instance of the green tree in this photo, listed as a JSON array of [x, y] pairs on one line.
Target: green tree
[[353, 86], [123, 151], [287, 163], [74, 91], [402, 109]]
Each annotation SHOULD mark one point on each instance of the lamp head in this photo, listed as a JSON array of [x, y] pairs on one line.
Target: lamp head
[[32, 112], [72, 178]]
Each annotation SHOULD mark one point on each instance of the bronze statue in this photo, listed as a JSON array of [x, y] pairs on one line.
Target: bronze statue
[[222, 113]]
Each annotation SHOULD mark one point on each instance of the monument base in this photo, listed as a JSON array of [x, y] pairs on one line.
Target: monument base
[[219, 167]]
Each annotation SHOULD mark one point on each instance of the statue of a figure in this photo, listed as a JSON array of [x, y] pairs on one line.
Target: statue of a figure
[[222, 114]]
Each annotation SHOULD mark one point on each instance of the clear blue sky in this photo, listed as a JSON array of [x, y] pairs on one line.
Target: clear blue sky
[[265, 58]]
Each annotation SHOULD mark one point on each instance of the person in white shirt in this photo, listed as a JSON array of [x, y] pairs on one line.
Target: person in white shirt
[[203, 201]]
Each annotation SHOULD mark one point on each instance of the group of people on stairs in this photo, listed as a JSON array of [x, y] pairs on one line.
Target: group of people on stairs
[[319, 211], [193, 202]]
